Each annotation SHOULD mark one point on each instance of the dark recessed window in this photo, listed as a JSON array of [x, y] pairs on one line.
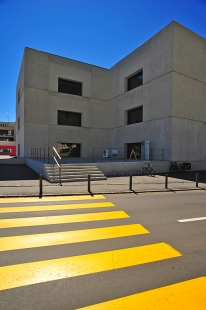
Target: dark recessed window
[[68, 149], [69, 118], [69, 87], [135, 80], [18, 95], [135, 115]]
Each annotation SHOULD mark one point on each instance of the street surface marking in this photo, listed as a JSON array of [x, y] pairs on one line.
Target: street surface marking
[[192, 219], [57, 207], [61, 268], [54, 198], [184, 295], [62, 219], [67, 237]]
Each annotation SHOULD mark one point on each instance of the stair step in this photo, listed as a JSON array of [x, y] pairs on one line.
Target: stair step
[[77, 180], [74, 173]]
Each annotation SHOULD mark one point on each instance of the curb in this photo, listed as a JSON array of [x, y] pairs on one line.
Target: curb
[[108, 193]]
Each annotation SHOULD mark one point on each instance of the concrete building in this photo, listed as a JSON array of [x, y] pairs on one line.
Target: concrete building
[[7, 139], [153, 99]]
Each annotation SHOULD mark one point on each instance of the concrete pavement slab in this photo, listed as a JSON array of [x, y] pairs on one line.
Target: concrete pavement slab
[[111, 185]]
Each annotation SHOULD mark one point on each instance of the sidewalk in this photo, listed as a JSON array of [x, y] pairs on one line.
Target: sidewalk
[[116, 185]]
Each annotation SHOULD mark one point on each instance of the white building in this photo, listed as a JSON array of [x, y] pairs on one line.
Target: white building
[[7, 139], [157, 94]]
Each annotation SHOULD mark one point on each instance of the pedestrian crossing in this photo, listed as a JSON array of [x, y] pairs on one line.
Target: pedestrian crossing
[[53, 198], [56, 207], [61, 268], [61, 219], [184, 295], [68, 237], [36, 272]]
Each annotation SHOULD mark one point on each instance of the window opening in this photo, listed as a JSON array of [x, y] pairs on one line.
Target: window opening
[[69, 118], [135, 116], [135, 81], [68, 149], [69, 87]]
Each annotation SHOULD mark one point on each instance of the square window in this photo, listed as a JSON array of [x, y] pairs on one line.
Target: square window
[[135, 116], [69, 87], [135, 81], [69, 118]]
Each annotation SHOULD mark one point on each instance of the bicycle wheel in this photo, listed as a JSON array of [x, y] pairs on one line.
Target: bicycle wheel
[[152, 172], [144, 170]]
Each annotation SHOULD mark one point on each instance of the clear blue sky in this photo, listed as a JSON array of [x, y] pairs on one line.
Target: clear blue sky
[[99, 32]]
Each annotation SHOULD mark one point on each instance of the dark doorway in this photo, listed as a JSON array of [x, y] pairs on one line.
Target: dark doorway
[[134, 150]]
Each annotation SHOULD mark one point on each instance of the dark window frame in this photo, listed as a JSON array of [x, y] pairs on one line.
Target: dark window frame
[[72, 118], [18, 95], [135, 118], [134, 80], [69, 87], [134, 149], [69, 149]]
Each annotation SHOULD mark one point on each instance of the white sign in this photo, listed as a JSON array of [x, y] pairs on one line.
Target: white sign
[[114, 153]]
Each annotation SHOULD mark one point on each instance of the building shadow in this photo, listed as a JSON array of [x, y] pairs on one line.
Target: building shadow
[[15, 172], [187, 175]]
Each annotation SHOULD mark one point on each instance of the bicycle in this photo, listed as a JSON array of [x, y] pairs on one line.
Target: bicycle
[[149, 170]]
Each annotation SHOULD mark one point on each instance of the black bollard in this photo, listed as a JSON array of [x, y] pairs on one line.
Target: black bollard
[[130, 182], [166, 180], [40, 186], [89, 183], [197, 179]]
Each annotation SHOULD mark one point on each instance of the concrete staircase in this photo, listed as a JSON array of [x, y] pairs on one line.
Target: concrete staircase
[[73, 173]]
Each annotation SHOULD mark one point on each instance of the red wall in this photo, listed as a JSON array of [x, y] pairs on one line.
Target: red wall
[[13, 150]]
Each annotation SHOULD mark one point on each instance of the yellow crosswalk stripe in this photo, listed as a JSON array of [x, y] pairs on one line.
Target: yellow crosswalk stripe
[[67, 237], [57, 207], [54, 198], [61, 268], [184, 295], [62, 219]]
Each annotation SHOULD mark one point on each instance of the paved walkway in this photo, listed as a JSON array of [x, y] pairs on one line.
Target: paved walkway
[[110, 186]]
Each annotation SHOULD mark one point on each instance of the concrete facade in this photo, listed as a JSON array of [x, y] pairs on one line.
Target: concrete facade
[[173, 97]]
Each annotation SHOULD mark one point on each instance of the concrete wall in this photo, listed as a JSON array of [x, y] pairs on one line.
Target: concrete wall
[[189, 95], [20, 109], [155, 95], [173, 97], [109, 169], [43, 100], [13, 161], [37, 167]]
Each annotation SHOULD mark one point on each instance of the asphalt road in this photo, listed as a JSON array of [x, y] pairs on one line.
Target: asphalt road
[[25, 285]]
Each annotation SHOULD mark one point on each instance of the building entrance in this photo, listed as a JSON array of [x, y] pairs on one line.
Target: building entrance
[[134, 150]]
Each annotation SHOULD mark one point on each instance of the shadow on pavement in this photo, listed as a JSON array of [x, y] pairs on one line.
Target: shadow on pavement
[[17, 172], [187, 176]]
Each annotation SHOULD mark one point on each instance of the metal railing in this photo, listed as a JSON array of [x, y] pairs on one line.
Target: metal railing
[[41, 153], [56, 156], [47, 155], [100, 155], [121, 154]]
